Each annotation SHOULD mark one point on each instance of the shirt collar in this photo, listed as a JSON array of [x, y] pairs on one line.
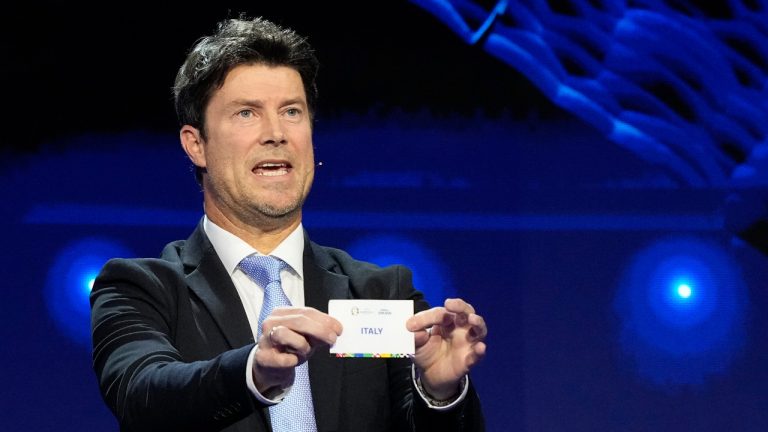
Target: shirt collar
[[232, 249]]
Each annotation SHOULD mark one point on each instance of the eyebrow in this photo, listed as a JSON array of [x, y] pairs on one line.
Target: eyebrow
[[259, 103], [296, 101]]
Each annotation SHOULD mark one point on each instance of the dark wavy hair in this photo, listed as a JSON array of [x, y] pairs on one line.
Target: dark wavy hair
[[239, 41]]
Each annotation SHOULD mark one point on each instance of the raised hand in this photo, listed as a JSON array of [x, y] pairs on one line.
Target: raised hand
[[449, 341]]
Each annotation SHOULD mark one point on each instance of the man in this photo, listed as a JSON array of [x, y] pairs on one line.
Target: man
[[179, 343]]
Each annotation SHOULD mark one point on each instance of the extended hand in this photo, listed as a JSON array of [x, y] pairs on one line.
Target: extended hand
[[452, 346], [288, 338]]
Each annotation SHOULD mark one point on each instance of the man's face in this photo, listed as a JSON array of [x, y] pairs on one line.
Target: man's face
[[258, 152]]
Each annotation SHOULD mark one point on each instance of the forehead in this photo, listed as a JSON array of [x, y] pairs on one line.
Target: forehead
[[261, 81]]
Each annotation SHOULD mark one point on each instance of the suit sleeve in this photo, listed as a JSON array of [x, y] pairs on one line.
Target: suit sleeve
[[142, 376]]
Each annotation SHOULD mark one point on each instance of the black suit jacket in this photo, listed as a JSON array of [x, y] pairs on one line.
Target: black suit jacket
[[171, 341]]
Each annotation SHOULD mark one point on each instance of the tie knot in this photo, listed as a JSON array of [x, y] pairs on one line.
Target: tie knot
[[262, 269]]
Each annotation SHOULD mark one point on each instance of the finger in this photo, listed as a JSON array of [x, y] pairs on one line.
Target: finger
[[480, 349], [271, 368], [448, 323], [268, 357], [474, 356], [302, 310], [458, 305], [461, 319], [285, 340], [284, 351], [311, 313], [311, 331], [426, 319], [478, 329], [421, 337], [316, 326]]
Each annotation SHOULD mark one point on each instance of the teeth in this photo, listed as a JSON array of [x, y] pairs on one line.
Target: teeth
[[273, 172], [271, 169]]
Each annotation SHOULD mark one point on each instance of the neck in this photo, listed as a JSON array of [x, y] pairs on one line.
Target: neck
[[263, 236]]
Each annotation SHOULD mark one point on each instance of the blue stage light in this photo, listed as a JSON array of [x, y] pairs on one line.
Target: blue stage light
[[684, 291], [681, 304], [430, 275], [70, 280]]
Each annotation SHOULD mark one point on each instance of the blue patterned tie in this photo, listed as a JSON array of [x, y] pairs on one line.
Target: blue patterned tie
[[295, 413]]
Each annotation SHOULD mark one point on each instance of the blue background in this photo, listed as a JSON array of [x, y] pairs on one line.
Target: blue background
[[440, 153]]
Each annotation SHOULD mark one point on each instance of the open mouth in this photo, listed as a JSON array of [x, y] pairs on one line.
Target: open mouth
[[271, 169]]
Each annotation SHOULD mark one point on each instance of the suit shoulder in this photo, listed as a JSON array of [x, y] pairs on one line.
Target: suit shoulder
[[168, 265], [346, 264], [362, 273], [368, 280]]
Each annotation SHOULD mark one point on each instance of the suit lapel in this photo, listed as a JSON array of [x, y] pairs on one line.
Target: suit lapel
[[209, 281], [325, 371]]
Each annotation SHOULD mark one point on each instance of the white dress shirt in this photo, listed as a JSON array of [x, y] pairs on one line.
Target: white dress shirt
[[231, 249]]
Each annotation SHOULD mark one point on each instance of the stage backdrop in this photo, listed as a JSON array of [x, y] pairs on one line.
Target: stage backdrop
[[621, 270]]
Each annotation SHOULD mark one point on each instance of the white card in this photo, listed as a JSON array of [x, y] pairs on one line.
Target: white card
[[373, 328]]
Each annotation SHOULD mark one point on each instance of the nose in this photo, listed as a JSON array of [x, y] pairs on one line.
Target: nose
[[273, 132]]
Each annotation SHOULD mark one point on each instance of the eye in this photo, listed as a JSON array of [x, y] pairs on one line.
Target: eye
[[246, 113], [293, 112]]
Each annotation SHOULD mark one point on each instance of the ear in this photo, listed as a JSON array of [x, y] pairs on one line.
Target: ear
[[193, 145]]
